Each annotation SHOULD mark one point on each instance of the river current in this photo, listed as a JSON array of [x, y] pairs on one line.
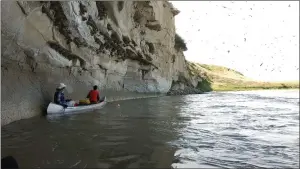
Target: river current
[[257, 129]]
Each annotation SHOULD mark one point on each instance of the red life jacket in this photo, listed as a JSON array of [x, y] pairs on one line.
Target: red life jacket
[[94, 95]]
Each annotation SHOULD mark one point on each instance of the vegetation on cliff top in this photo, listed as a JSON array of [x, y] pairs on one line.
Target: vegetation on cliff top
[[220, 78], [180, 43]]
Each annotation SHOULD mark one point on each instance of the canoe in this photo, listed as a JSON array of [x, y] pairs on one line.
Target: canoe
[[58, 109]]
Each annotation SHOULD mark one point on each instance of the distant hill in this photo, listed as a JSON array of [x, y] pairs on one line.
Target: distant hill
[[220, 78]]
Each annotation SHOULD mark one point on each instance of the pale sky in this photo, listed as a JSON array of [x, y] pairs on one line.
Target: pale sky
[[242, 36]]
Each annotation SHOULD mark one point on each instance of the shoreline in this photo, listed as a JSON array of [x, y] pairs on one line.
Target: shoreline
[[111, 100], [256, 89], [112, 96], [135, 96]]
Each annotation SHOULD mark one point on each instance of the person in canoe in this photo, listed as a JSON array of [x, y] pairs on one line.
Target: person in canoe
[[59, 97], [94, 95]]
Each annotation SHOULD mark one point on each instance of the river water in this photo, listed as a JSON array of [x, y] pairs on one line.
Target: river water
[[224, 130]]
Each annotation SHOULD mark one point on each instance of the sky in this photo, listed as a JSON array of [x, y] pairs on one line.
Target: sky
[[257, 38]]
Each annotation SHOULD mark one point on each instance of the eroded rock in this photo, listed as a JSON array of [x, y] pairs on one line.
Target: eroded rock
[[118, 45]]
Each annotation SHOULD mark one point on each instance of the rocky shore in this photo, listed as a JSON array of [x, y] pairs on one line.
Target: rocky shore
[[186, 91]]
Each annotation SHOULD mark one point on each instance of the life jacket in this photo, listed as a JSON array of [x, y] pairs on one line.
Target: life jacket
[[94, 95], [59, 97]]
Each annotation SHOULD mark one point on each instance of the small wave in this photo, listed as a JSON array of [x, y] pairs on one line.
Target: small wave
[[226, 131]]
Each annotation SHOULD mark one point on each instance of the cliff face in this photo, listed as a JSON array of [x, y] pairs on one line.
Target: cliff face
[[124, 47]]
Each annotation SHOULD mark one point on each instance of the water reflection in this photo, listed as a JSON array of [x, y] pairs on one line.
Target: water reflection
[[134, 134]]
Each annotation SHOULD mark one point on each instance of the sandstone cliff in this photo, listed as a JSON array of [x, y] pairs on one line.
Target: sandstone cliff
[[125, 47]]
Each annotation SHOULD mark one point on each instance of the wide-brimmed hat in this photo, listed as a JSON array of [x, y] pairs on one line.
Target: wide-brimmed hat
[[61, 86]]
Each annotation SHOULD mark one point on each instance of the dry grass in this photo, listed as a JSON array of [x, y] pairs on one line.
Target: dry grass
[[225, 79]]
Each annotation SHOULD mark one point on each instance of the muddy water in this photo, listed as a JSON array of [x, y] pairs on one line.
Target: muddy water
[[225, 130]]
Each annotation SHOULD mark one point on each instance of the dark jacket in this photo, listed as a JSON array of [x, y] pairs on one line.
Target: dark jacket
[[59, 98]]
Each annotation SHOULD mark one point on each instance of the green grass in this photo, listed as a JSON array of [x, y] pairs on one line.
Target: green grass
[[205, 85], [258, 86], [218, 78]]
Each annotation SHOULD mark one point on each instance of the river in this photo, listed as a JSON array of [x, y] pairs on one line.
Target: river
[[257, 129]]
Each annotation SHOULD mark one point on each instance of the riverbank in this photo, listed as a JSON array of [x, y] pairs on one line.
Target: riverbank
[[16, 113], [257, 87], [220, 78], [185, 91], [226, 84]]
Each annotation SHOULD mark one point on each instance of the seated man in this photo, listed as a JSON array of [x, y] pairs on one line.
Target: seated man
[[59, 97], [94, 95]]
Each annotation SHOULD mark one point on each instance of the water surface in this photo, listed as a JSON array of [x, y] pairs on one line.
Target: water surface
[[222, 130]]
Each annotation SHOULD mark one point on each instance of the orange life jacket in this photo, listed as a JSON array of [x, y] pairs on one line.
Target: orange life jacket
[[94, 95]]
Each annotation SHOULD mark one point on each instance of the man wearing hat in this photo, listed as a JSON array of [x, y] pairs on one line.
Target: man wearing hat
[[59, 97]]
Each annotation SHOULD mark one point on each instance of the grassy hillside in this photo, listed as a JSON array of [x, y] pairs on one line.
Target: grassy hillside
[[220, 78]]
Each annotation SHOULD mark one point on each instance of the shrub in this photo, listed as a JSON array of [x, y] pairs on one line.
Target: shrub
[[179, 43], [204, 85]]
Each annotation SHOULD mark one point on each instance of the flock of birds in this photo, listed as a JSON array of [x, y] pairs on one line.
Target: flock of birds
[[272, 48]]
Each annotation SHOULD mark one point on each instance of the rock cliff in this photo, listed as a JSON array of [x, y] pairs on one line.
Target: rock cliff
[[125, 47]]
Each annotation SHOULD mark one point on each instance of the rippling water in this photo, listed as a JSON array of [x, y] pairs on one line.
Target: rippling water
[[224, 130]]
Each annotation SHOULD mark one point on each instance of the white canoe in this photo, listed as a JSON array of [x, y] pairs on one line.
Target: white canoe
[[58, 109]]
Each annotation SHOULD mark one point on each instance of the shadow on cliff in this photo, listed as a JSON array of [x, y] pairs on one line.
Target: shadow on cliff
[[44, 106], [46, 100]]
